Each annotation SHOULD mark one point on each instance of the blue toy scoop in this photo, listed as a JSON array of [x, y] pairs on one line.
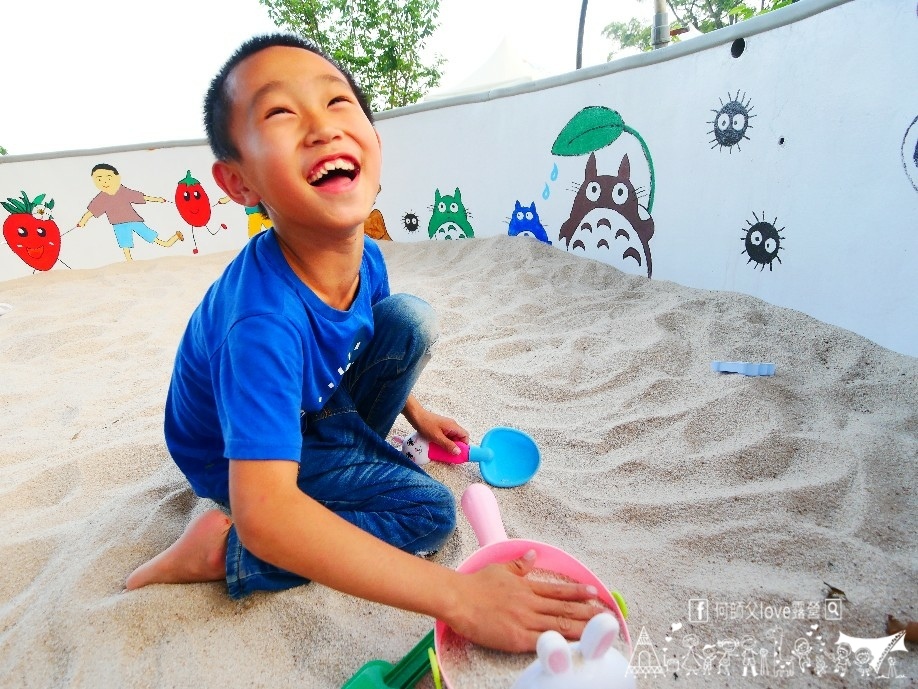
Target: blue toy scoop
[[507, 457]]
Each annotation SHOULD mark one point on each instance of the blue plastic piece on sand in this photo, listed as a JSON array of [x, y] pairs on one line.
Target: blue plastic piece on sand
[[507, 457], [743, 367]]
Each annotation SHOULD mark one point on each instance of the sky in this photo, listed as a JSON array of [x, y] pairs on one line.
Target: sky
[[82, 75]]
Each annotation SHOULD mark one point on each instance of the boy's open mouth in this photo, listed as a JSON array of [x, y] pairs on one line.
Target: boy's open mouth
[[332, 170]]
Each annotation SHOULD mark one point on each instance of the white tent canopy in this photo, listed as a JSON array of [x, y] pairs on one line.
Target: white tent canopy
[[505, 67]]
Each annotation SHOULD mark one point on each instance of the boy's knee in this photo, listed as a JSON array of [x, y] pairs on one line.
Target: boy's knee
[[445, 504], [411, 314], [443, 513]]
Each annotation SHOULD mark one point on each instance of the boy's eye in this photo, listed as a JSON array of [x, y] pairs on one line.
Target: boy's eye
[[339, 99], [275, 111]]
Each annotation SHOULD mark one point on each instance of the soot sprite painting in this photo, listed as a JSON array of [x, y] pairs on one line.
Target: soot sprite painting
[[410, 221], [762, 241], [731, 122]]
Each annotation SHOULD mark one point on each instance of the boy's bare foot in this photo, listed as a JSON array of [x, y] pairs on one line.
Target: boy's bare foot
[[199, 554]]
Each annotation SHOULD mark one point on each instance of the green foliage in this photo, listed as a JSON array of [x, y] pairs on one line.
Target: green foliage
[[2, 151], [630, 34], [379, 41], [704, 17]]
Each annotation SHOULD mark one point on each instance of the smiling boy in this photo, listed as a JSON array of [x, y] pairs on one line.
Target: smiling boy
[[296, 364]]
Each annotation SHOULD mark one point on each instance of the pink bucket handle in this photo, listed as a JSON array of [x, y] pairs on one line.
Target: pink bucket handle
[[480, 507]]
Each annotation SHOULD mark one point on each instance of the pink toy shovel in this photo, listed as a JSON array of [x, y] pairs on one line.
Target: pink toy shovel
[[506, 457]]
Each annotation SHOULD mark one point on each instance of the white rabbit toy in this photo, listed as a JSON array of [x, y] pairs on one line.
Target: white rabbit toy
[[591, 663], [415, 448]]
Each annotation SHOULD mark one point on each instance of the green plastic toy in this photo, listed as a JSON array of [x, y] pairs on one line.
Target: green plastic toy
[[405, 674]]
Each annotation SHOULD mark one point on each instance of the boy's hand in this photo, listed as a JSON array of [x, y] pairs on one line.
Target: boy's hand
[[441, 430], [500, 608], [438, 429]]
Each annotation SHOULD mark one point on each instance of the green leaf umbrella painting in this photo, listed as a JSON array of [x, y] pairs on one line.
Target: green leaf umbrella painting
[[596, 127]]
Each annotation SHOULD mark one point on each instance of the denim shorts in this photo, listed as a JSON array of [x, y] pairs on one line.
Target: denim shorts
[[346, 463]]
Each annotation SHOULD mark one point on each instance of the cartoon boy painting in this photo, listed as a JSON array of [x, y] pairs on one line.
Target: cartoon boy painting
[[117, 202], [258, 220]]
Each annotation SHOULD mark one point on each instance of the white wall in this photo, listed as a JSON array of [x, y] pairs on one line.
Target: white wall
[[828, 159]]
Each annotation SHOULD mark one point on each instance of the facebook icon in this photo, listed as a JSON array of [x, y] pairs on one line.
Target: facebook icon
[[698, 609]]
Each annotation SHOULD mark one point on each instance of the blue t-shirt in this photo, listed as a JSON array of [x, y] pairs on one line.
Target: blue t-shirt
[[259, 349]]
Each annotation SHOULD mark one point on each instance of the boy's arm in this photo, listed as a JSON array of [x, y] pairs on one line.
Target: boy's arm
[[441, 430], [495, 607]]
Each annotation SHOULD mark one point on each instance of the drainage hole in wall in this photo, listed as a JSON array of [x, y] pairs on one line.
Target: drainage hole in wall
[[781, 141], [739, 45]]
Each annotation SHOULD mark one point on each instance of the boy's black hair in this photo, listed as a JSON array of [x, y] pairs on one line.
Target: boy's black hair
[[103, 166], [217, 102]]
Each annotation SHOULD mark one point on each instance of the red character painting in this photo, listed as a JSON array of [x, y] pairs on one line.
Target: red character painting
[[30, 231], [193, 205]]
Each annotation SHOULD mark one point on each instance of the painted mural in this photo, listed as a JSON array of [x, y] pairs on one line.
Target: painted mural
[[116, 202], [450, 219], [762, 242], [731, 123], [910, 153], [410, 222], [607, 222], [257, 220], [41, 245], [594, 128], [30, 231], [703, 168], [375, 226], [193, 204], [525, 222]]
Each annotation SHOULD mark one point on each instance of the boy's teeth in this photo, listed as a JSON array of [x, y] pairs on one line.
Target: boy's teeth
[[328, 166]]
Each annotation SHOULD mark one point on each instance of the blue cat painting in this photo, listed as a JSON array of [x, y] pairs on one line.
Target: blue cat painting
[[525, 223]]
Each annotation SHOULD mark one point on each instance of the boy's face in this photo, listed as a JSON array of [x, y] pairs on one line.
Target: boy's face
[[106, 180], [308, 151]]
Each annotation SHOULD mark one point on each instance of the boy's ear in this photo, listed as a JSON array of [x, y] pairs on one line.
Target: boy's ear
[[230, 180]]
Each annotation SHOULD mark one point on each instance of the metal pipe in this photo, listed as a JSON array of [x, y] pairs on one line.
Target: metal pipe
[[660, 31], [583, 9]]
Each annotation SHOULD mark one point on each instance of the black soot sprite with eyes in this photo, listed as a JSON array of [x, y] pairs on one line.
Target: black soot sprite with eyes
[[763, 242], [410, 221], [731, 122]]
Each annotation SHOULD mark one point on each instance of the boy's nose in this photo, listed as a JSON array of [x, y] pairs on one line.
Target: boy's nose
[[321, 130]]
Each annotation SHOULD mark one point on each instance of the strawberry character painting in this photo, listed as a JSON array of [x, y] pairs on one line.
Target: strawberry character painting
[[192, 201], [31, 232], [193, 205]]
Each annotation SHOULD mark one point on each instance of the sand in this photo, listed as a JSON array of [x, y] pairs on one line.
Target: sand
[[672, 483]]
